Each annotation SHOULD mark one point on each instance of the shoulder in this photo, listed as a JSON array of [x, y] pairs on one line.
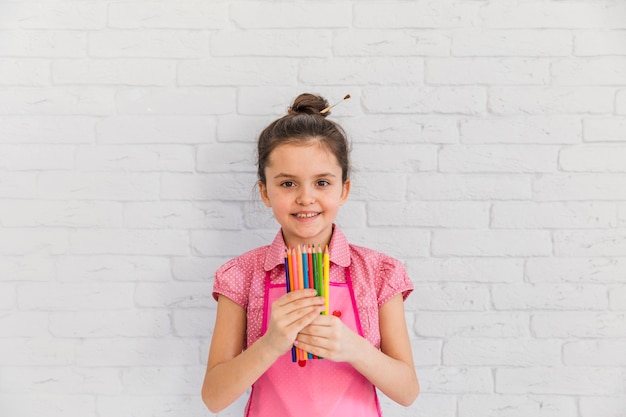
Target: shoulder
[[365, 256], [247, 261]]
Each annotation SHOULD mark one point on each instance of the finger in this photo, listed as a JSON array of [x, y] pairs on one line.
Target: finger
[[295, 296]]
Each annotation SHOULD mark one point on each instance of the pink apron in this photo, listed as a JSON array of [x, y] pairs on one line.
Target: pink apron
[[321, 387]]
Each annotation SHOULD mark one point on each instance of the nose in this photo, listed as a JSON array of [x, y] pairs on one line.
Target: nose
[[305, 196]]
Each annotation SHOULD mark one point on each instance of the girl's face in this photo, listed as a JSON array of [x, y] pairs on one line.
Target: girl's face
[[304, 189]]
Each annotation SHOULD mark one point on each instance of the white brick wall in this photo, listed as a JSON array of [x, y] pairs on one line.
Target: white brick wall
[[489, 153]]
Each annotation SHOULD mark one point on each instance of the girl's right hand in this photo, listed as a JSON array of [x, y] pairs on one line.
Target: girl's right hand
[[289, 314]]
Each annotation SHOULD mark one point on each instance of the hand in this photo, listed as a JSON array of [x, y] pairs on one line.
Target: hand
[[289, 315], [329, 338]]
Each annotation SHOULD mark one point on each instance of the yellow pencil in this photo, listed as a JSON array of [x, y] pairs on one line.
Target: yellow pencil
[[327, 279]]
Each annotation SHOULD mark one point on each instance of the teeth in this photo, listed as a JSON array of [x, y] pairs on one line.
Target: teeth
[[306, 215]]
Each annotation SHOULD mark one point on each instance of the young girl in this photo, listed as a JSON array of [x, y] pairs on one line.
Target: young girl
[[303, 172]]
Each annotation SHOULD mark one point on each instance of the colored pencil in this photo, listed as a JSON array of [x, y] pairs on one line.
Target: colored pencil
[[327, 279], [288, 284]]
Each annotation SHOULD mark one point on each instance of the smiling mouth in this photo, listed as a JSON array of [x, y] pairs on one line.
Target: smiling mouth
[[305, 215]]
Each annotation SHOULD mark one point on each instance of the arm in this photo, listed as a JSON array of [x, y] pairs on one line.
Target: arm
[[390, 369], [231, 371]]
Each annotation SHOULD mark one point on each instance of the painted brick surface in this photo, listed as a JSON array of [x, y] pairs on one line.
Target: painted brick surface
[[489, 155]]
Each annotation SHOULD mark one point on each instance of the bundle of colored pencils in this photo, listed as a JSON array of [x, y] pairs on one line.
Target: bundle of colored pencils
[[307, 267]]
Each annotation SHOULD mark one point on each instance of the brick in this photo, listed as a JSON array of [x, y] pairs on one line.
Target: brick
[[24, 72], [127, 352], [395, 158], [240, 128], [499, 158], [549, 297], [369, 186], [553, 215], [36, 157], [604, 130], [593, 158], [426, 352], [538, 129], [416, 241], [392, 129], [464, 187], [195, 269], [8, 297], [120, 71], [42, 213], [225, 158], [577, 187], [491, 243], [21, 268], [600, 352], [237, 71], [54, 15], [589, 71], [21, 405], [175, 101], [603, 406], [617, 298], [75, 296], [40, 382], [578, 324], [127, 323], [43, 43], [173, 295], [559, 381], [428, 405], [51, 101], [551, 100], [149, 380], [495, 405], [228, 243], [429, 214], [148, 43], [425, 100], [113, 268], [181, 215], [47, 129], [501, 352], [281, 43], [30, 241], [98, 186], [620, 108], [590, 243], [452, 380], [129, 242], [157, 405], [472, 324], [155, 129], [188, 14], [511, 43], [230, 187], [600, 42], [135, 158], [576, 270], [362, 71], [25, 352], [193, 322], [486, 71], [384, 42], [16, 324], [430, 14], [561, 15], [472, 270], [449, 297], [259, 14]]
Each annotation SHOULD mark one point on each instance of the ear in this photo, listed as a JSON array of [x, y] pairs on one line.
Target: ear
[[263, 192], [345, 191]]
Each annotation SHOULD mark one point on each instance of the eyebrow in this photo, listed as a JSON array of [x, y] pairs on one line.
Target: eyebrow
[[324, 174]]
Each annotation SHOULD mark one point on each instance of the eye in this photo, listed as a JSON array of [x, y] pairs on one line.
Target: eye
[[323, 183], [287, 184]]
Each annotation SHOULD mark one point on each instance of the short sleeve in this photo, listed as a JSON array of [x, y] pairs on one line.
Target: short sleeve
[[394, 280], [232, 280]]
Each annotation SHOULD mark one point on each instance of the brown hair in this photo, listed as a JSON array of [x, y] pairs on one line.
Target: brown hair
[[304, 123]]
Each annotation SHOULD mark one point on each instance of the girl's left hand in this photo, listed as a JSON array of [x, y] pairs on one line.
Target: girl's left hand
[[329, 338]]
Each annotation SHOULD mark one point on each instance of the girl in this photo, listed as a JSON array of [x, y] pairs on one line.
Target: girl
[[303, 176]]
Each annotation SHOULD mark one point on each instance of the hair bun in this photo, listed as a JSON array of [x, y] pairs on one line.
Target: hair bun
[[309, 104]]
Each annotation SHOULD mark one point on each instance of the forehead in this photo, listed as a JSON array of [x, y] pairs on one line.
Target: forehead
[[308, 156]]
